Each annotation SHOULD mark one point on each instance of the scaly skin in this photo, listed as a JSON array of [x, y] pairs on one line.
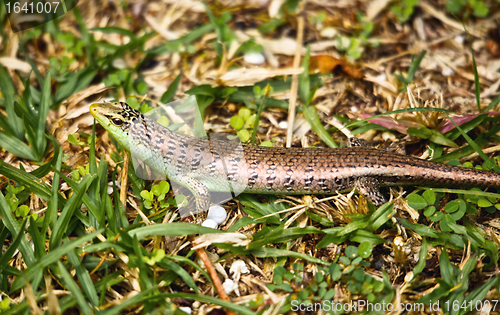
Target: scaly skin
[[203, 166]]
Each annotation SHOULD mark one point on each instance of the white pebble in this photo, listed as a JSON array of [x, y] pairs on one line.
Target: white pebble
[[343, 42], [209, 223], [110, 187], [328, 32], [217, 213], [254, 58], [446, 72], [283, 125], [459, 39], [119, 63], [185, 309]]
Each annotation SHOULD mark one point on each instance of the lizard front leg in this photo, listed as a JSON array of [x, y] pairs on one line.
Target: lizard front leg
[[200, 192]]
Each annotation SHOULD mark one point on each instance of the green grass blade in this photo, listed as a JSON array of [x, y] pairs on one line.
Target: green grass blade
[[8, 219], [477, 86], [36, 238], [494, 102], [75, 290], [39, 247], [115, 30], [446, 267], [138, 184], [77, 82], [9, 253], [93, 208], [33, 183], [479, 293], [52, 257], [304, 82], [9, 92], [380, 216], [475, 146], [94, 188], [146, 295], [422, 255], [463, 151], [464, 192], [168, 96], [51, 213], [468, 126], [257, 118], [4, 125], [33, 65], [312, 118], [43, 112], [171, 229], [24, 109], [175, 45], [87, 37], [110, 213], [144, 277], [17, 147], [83, 275], [414, 67], [109, 280], [73, 204], [47, 167], [192, 264], [275, 252]]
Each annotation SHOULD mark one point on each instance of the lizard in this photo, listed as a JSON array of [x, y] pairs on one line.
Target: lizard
[[204, 166]]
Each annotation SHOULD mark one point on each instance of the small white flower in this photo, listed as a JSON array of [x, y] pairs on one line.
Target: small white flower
[[229, 286], [237, 268]]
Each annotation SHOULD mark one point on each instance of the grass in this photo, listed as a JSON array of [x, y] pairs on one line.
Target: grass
[[72, 245]]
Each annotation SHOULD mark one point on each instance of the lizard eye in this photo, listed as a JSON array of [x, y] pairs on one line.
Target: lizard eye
[[117, 121]]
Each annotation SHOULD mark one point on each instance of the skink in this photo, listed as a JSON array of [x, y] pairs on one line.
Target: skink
[[203, 166]]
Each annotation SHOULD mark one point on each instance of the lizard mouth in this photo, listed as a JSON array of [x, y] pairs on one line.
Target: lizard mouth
[[97, 111], [93, 109]]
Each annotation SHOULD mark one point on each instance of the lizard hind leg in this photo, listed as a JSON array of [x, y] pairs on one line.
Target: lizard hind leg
[[369, 188], [356, 142]]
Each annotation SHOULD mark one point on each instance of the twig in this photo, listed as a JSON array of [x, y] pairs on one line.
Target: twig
[[295, 80], [124, 179], [486, 151], [213, 274]]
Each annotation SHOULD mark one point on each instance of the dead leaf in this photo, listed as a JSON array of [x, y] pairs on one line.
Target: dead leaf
[[460, 120], [391, 123], [245, 77], [329, 64]]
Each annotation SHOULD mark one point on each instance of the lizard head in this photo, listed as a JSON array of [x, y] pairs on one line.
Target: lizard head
[[117, 118]]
